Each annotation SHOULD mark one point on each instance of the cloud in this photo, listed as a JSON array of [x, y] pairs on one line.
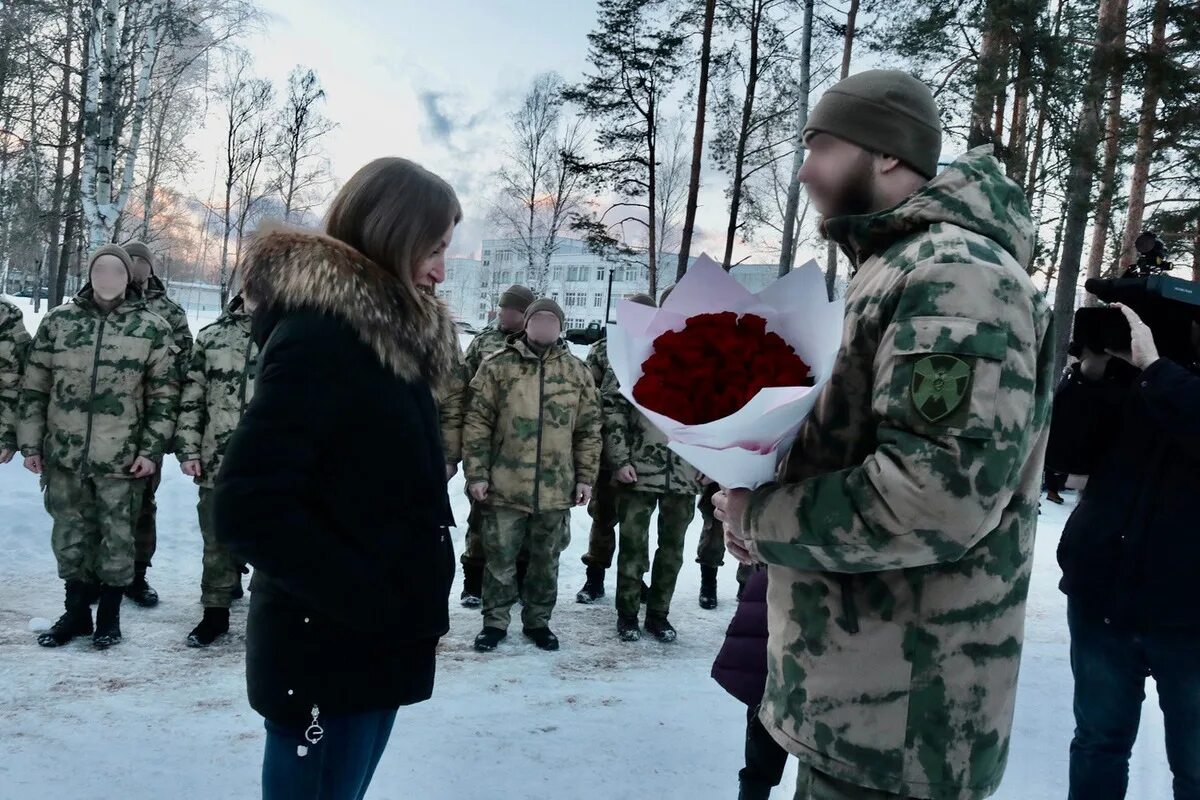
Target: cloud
[[444, 118]]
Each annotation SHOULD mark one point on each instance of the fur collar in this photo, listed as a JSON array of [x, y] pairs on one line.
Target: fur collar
[[411, 332]]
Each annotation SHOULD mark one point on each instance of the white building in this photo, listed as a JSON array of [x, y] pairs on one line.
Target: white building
[[578, 281]]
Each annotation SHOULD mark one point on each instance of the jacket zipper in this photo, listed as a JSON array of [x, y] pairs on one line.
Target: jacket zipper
[[87, 437], [537, 467]]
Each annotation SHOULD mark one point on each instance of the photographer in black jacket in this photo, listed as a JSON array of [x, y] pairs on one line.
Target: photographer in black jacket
[[1130, 555]]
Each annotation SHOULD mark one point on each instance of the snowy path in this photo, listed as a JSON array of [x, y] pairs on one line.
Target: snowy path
[[155, 720]]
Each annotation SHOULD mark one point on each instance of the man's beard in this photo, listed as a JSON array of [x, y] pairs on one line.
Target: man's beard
[[856, 195]]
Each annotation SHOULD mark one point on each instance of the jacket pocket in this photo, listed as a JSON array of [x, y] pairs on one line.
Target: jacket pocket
[[941, 375]]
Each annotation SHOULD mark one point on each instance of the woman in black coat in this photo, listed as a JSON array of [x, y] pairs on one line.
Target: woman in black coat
[[334, 485]]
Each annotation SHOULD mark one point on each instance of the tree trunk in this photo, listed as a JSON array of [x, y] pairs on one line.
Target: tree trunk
[[689, 219], [1112, 151], [1155, 56], [787, 254], [1079, 181], [64, 132], [735, 190], [831, 249], [1035, 160], [988, 68]]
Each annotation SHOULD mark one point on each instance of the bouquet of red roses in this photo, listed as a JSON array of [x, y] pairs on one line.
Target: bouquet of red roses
[[728, 376], [716, 365]]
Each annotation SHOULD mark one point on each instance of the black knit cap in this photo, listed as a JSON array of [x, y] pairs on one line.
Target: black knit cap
[[886, 111]]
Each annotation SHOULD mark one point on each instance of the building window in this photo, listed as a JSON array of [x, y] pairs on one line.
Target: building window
[[558, 273], [519, 276], [554, 296], [597, 300], [573, 274], [600, 273], [505, 276]]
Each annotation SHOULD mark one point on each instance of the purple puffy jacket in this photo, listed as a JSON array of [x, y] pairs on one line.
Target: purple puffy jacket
[[741, 666]]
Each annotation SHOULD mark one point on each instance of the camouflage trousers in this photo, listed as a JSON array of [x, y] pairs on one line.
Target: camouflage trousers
[[505, 532], [675, 513], [816, 785], [221, 570], [602, 539], [145, 534], [94, 519], [711, 551], [473, 555]]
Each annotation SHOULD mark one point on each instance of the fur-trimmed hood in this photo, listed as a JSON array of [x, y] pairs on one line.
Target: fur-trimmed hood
[[411, 332]]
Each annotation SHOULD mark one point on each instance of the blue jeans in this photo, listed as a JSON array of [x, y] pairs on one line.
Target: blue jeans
[[339, 767], [1110, 668]]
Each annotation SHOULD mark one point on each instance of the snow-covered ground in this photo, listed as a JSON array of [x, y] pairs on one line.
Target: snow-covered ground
[[154, 719]]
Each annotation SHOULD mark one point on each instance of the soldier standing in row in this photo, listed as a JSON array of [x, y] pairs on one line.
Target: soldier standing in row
[[602, 540], [510, 321], [155, 296], [532, 448], [97, 412], [649, 476], [14, 342], [219, 384]]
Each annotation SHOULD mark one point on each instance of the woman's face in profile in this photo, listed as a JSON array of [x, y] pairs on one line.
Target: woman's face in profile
[[431, 271]]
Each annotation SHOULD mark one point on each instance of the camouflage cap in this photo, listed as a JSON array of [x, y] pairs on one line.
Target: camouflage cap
[[516, 297]]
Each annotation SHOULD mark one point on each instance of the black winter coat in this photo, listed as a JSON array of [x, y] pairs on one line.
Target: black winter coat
[[333, 487], [1130, 552]]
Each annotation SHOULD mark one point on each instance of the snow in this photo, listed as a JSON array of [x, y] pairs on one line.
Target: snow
[[153, 718]]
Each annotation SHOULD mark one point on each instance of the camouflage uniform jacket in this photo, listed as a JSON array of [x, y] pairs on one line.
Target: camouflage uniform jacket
[[532, 429], [451, 398], [900, 535], [219, 384], [597, 362], [14, 342], [630, 440], [100, 389], [181, 335], [490, 340]]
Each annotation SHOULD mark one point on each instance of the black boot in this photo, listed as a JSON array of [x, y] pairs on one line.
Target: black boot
[[645, 591], [628, 629], [108, 617], [544, 638], [708, 587], [752, 790], [76, 622], [140, 591], [214, 624], [472, 592], [593, 587], [658, 627], [488, 639]]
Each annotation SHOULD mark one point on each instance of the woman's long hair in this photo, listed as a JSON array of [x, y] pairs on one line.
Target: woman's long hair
[[395, 213]]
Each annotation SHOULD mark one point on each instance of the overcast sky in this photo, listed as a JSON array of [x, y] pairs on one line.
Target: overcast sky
[[431, 82]]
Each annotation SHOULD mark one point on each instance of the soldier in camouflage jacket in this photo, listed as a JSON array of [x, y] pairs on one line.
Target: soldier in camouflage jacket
[[14, 342], [602, 538], [649, 476], [899, 537], [218, 385], [532, 451], [510, 321], [97, 412], [155, 295]]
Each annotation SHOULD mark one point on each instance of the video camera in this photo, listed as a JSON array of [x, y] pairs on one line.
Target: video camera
[[1168, 305]]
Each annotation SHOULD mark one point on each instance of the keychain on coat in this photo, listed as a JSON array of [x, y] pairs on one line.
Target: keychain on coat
[[312, 734]]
